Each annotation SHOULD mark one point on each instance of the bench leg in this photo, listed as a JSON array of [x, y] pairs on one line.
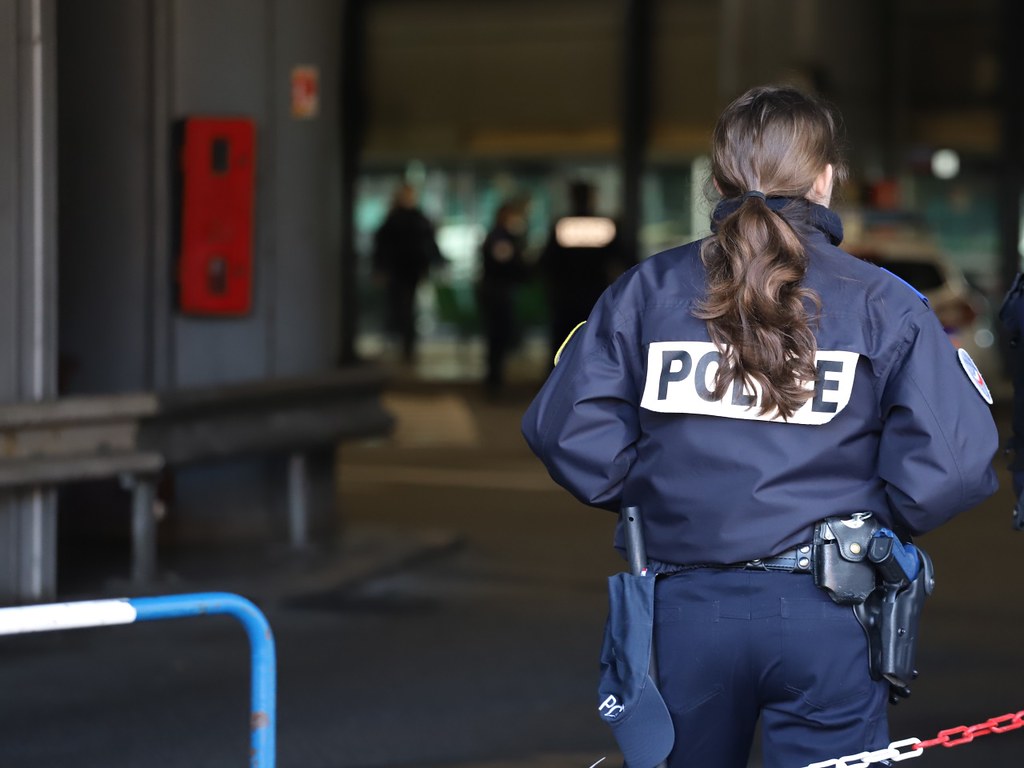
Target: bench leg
[[143, 528], [298, 501]]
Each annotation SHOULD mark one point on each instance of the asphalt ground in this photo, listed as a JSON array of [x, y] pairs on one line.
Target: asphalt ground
[[456, 622]]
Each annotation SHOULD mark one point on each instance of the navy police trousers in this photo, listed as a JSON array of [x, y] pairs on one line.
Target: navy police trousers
[[737, 645]]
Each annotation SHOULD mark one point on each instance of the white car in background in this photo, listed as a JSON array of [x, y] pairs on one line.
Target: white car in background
[[964, 312]]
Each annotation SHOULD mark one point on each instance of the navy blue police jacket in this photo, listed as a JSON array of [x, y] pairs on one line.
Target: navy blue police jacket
[[895, 425]]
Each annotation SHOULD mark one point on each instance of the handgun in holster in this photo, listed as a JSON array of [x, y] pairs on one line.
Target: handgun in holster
[[859, 562], [891, 615]]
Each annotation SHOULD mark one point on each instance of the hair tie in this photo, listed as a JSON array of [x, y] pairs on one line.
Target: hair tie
[[753, 193]]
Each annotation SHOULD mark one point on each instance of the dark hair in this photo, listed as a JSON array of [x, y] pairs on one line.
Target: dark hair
[[777, 141]]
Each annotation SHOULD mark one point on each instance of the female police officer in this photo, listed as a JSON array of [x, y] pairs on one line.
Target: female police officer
[[740, 389]]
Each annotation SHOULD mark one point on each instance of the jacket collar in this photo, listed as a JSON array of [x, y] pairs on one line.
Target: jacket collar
[[803, 215]]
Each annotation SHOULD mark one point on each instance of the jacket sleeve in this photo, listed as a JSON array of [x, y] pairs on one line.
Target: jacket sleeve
[[583, 424], [938, 436]]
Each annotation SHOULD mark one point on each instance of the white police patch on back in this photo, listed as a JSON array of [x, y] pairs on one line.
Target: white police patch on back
[[971, 369], [681, 379]]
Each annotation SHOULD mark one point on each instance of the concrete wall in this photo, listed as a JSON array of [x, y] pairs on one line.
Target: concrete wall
[[129, 71], [307, 237]]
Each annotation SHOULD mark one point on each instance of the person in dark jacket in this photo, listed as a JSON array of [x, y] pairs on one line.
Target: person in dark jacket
[[1011, 316], [503, 270], [583, 255], [403, 253], [740, 390]]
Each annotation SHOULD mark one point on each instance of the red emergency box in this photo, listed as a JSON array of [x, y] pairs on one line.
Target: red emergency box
[[215, 269]]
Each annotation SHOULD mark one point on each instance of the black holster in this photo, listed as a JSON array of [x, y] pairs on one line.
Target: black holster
[[891, 617], [889, 613]]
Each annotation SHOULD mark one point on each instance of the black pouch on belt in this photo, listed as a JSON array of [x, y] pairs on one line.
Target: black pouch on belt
[[841, 567]]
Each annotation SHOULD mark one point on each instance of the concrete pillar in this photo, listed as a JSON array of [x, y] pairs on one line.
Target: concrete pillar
[[28, 204]]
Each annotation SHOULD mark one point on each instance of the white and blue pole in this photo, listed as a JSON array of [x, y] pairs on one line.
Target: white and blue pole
[[101, 613]]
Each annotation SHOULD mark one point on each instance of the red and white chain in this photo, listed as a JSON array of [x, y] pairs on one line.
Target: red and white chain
[[910, 748]]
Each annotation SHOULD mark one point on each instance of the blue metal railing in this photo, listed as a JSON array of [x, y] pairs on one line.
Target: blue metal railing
[[96, 613]]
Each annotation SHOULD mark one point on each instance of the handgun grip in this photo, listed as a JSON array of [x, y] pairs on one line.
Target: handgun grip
[[896, 563]]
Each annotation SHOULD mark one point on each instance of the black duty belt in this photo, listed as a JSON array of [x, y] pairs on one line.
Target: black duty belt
[[796, 560]]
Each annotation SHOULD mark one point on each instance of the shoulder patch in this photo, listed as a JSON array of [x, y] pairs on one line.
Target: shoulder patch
[[971, 369], [920, 295], [561, 347]]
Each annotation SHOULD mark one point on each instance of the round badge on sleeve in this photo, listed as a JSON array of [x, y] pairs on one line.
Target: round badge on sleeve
[[974, 375]]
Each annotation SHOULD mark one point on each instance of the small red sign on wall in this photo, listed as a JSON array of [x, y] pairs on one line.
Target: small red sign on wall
[[218, 180], [305, 92]]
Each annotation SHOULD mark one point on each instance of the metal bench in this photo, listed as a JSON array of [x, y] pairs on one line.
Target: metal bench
[[135, 436]]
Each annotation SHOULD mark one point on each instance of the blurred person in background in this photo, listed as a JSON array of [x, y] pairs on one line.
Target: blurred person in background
[[583, 255], [404, 251], [773, 405], [1011, 316], [503, 270]]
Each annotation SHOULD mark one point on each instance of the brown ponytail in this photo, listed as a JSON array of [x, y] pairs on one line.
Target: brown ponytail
[[774, 142]]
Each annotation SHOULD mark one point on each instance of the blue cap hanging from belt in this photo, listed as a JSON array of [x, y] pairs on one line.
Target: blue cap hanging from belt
[[628, 699]]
